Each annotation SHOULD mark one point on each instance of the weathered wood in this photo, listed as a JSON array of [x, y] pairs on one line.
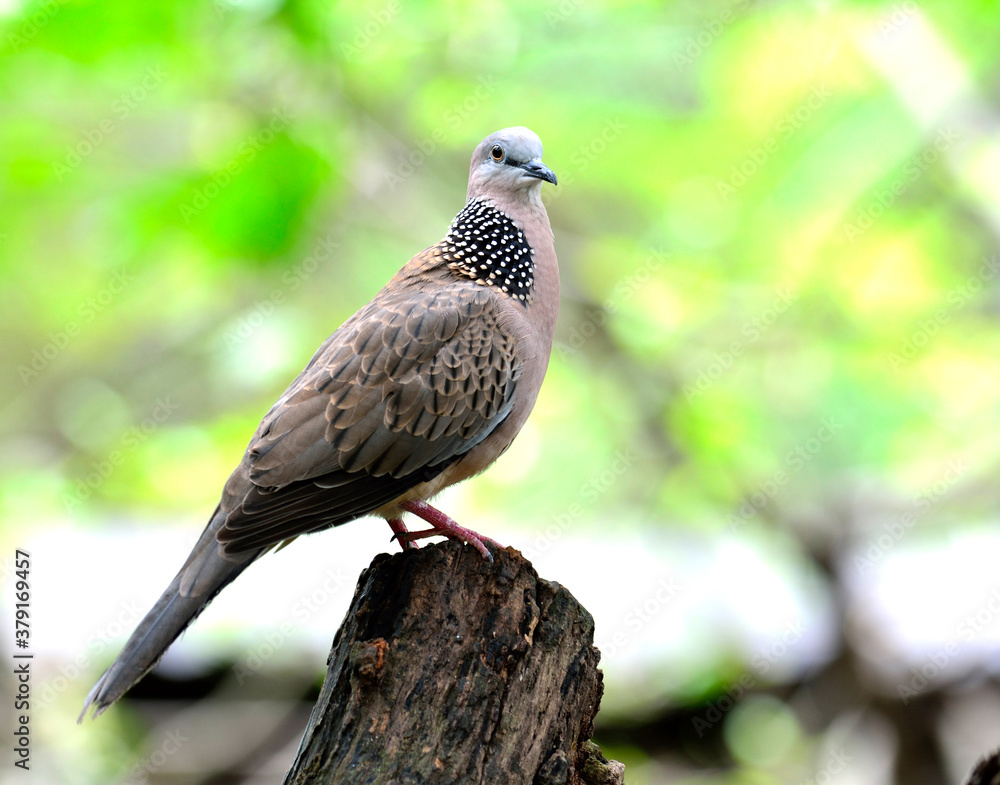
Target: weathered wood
[[448, 669], [987, 771]]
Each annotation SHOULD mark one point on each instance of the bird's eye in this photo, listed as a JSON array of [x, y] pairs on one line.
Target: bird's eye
[[497, 153]]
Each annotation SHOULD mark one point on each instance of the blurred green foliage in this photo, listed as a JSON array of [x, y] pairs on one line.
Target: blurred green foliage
[[777, 226]]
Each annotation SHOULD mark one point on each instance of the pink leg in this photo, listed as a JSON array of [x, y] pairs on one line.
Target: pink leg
[[398, 530], [444, 526]]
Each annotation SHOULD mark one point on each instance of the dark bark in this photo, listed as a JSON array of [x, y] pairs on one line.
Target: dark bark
[[987, 772], [448, 669]]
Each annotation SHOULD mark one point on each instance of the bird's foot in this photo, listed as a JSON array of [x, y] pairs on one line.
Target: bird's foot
[[441, 525], [398, 530]]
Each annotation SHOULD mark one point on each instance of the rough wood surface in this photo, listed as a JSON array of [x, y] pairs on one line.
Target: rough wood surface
[[987, 772], [448, 669]]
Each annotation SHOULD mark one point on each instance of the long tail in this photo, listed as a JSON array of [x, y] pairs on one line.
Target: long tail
[[204, 575]]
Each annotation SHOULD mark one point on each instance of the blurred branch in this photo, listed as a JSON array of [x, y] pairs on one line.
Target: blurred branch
[[988, 770]]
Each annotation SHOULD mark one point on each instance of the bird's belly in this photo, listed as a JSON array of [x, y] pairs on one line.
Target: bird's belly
[[472, 463]]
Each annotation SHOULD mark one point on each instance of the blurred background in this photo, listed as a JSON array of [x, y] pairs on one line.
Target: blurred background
[[764, 454]]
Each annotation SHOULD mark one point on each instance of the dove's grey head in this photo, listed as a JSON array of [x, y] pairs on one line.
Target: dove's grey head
[[508, 164]]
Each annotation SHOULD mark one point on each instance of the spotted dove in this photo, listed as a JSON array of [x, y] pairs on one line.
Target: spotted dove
[[423, 387]]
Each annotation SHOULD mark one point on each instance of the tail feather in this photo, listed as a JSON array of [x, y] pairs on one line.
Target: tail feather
[[202, 577]]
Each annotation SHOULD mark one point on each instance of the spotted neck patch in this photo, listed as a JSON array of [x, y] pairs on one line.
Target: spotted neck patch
[[484, 245]]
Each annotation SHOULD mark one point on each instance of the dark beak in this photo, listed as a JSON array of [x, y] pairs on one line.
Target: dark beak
[[541, 171]]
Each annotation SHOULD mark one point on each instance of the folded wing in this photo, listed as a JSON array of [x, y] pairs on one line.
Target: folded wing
[[402, 390]]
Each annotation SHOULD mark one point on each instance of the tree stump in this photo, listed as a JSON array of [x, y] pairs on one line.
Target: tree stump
[[449, 669]]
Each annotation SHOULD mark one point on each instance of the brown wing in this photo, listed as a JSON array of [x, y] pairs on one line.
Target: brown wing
[[403, 389]]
